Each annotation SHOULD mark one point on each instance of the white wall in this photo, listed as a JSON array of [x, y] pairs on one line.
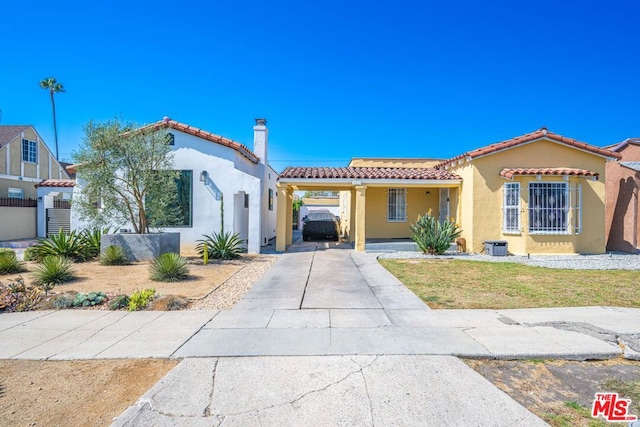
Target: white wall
[[221, 164]]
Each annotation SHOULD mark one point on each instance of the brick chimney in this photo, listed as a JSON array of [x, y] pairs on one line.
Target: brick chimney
[[260, 140]]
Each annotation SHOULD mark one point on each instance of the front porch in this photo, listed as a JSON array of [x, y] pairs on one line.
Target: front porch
[[377, 205]]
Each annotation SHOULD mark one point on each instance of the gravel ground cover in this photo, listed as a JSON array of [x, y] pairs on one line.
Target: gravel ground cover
[[612, 261]]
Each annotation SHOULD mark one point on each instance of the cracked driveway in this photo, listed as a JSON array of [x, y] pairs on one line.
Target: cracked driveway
[[326, 391]]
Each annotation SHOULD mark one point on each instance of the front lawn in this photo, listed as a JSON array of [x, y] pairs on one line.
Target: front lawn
[[459, 284]]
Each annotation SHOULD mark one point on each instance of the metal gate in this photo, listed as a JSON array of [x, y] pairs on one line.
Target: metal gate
[[58, 219]]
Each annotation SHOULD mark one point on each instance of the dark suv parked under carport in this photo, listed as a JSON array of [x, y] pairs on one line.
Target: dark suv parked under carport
[[323, 225]]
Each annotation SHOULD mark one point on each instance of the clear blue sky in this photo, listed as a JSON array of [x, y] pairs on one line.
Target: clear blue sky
[[335, 79]]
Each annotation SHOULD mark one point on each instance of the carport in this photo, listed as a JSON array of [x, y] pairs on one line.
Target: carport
[[380, 202]]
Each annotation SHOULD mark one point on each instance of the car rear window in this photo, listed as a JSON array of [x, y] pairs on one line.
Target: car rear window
[[321, 216]]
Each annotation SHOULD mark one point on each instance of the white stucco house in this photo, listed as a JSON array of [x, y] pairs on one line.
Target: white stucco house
[[221, 180]]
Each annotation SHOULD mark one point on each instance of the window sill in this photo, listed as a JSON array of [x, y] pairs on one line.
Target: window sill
[[550, 233], [396, 221]]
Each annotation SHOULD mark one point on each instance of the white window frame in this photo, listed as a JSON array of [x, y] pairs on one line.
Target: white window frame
[[511, 207], [31, 151], [577, 208], [15, 191], [397, 205], [549, 212]]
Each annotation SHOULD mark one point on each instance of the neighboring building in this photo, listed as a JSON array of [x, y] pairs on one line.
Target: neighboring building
[[540, 192], [220, 180], [25, 160], [622, 184]]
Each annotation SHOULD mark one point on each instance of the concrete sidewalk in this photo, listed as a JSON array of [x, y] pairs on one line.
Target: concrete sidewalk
[[335, 340]]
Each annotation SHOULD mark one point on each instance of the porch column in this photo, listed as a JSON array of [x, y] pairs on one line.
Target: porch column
[[359, 225], [352, 216], [283, 220], [289, 216]]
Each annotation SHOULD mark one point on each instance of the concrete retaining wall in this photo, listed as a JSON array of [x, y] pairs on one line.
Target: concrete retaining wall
[[142, 247]]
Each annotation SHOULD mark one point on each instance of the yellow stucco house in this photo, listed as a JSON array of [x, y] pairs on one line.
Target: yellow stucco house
[[540, 192]]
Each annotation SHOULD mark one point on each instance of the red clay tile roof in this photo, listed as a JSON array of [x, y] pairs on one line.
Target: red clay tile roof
[[510, 172], [194, 131], [539, 134], [56, 183], [8, 132], [619, 146], [367, 173]]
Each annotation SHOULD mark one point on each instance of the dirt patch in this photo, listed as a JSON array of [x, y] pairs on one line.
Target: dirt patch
[[112, 280], [76, 393], [562, 392]]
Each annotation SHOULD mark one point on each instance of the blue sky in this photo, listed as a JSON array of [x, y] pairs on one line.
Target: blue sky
[[336, 79]]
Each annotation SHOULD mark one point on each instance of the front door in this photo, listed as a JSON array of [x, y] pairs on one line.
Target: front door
[[444, 203]]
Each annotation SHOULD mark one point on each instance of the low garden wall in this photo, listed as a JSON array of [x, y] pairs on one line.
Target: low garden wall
[[17, 223]]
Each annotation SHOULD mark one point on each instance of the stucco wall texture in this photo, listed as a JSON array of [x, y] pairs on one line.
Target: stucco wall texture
[[622, 225]]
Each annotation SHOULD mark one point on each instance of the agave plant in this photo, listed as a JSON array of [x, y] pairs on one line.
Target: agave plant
[[432, 236], [220, 246], [168, 267], [67, 245]]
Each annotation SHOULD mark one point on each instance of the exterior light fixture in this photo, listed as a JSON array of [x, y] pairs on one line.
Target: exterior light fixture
[[203, 176]]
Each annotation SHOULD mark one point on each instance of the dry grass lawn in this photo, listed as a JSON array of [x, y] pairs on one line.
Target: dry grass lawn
[[456, 284]]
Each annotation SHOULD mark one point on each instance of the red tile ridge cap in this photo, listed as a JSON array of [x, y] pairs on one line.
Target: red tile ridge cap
[[532, 136], [56, 183], [509, 173], [201, 133]]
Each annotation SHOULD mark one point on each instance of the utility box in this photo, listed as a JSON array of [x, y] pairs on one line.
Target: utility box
[[496, 247]]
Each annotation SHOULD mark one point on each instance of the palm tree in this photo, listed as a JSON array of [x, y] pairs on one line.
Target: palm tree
[[53, 86]]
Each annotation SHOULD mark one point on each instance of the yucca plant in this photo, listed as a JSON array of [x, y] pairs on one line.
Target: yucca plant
[[432, 236], [9, 262], [52, 271], [114, 255], [169, 267], [220, 246]]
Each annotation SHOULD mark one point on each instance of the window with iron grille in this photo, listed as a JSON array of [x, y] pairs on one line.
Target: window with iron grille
[[397, 205], [29, 151], [511, 208], [549, 207]]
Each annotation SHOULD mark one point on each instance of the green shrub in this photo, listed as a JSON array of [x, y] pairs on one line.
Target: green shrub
[[220, 246], [30, 254], [9, 262], [63, 301], [119, 302], [114, 255], [89, 300], [141, 299], [53, 270], [16, 296], [432, 236], [169, 267]]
